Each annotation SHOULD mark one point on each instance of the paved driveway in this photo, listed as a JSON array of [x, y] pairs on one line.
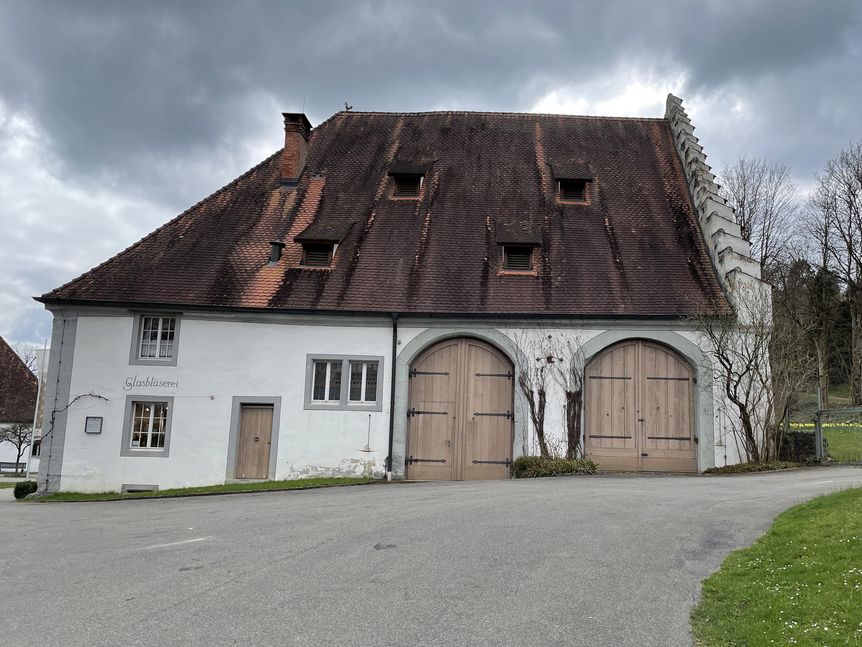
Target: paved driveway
[[608, 560]]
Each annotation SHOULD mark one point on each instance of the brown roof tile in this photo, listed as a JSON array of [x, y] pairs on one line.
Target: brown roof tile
[[635, 250], [18, 387]]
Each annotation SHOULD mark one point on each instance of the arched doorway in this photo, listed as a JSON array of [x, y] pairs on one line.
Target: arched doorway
[[460, 414], [639, 409]]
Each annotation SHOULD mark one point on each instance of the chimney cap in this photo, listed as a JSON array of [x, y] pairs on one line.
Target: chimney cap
[[296, 118]]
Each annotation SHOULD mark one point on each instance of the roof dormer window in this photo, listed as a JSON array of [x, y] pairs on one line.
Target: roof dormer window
[[517, 258], [572, 190], [317, 254], [407, 185]]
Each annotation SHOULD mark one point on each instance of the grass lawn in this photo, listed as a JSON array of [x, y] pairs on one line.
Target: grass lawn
[[6, 484], [230, 488], [800, 584], [844, 438]]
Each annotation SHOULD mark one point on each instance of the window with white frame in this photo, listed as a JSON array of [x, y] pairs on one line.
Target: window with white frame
[[147, 426], [337, 382], [327, 381], [363, 382], [157, 337]]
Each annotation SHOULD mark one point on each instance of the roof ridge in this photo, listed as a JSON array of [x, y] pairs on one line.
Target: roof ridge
[[164, 226], [489, 113]]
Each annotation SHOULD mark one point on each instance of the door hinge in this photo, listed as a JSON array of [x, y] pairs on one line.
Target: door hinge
[[507, 462], [417, 412], [508, 415], [414, 372], [410, 460]]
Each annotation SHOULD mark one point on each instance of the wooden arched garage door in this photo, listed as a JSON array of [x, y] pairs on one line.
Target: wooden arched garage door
[[639, 407], [460, 414]]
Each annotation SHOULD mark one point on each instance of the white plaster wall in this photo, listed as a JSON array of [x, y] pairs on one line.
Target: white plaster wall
[[222, 358], [218, 360]]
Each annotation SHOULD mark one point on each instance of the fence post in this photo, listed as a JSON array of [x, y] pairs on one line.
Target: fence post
[[818, 437]]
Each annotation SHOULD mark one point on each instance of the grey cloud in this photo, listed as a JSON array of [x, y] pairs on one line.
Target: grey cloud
[[156, 104]]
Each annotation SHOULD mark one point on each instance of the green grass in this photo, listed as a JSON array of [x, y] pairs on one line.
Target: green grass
[[800, 584], [230, 488], [6, 485], [747, 468], [844, 438]]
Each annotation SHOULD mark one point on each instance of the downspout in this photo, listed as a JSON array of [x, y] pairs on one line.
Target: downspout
[[392, 395]]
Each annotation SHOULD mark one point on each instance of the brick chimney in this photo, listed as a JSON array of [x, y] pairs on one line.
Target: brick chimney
[[296, 130]]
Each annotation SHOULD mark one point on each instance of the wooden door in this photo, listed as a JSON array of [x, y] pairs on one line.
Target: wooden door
[[432, 414], [639, 404], [667, 431], [488, 413], [255, 441], [460, 420], [611, 408]]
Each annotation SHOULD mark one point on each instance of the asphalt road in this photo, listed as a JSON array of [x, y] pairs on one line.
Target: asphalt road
[[606, 560]]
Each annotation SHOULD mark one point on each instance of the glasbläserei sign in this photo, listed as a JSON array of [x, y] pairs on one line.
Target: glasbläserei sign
[[149, 382]]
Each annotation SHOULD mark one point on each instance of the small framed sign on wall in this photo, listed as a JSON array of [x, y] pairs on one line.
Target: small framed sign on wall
[[93, 425]]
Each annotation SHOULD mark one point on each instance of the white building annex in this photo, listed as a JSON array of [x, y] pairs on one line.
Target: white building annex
[[365, 300]]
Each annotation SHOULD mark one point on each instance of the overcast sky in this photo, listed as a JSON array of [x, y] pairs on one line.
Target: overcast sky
[[116, 116]]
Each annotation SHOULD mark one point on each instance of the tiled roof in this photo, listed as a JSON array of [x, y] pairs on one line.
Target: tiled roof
[[635, 250], [18, 387]]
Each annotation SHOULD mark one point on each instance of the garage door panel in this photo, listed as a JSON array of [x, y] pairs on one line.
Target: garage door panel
[[639, 409], [473, 384], [488, 414], [611, 403]]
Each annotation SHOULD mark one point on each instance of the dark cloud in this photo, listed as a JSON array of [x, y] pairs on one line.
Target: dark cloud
[[148, 106]]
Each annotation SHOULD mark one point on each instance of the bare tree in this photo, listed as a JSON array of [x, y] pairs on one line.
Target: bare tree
[[836, 224], [766, 201], [568, 373], [18, 435], [808, 299], [29, 354], [758, 367], [533, 381]]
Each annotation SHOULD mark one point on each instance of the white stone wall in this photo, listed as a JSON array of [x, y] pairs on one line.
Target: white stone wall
[[223, 357]]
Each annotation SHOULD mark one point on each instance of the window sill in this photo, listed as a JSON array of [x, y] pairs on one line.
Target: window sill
[[338, 406], [144, 453], [517, 273]]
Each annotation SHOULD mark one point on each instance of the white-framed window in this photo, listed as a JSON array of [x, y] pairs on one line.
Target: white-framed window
[[155, 338], [343, 382], [147, 426], [363, 382], [149, 423], [327, 381]]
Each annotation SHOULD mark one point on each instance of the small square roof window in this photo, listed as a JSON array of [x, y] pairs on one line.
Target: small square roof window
[[407, 185]]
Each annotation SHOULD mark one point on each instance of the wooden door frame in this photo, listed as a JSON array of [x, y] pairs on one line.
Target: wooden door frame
[[702, 400], [235, 423], [431, 334]]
